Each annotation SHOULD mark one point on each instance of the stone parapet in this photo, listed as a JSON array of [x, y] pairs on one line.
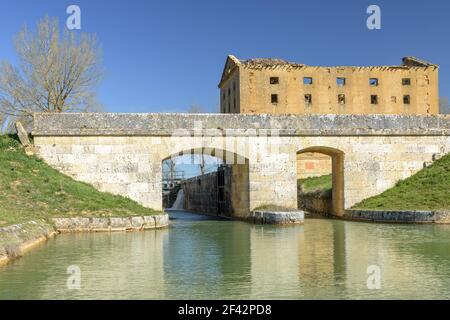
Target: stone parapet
[[164, 124]]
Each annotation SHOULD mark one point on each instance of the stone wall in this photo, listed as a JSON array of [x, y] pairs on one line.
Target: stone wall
[[425, 217], [316, 202], [15, 240], [200, 193], [111, 224], [122, 153]]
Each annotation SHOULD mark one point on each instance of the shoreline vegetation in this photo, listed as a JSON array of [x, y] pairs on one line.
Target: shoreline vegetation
[[427, 190], [32, 190]]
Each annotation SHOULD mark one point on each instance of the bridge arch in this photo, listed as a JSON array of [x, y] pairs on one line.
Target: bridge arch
[[232, 189], [337, 172]]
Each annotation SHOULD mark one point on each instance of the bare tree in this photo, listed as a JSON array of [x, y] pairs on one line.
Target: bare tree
[[56, 73], [195, 109], [444, 106], [169, 169]]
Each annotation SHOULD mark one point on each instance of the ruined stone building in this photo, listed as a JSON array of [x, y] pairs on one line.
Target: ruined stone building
[[274, 86]]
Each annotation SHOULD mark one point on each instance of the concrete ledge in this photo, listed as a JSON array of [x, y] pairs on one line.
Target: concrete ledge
[[15, 240], [399, 216], [111, 224], [277, 217]]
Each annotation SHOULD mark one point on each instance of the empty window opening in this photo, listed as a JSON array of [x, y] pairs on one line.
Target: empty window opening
[[274, 80], [307, 80], [229, 91], [308, 98], [340, 81], [393, 99], [373, 82], [406, 99], [341, 98], [374, 99], [406, 81], [274, 98]]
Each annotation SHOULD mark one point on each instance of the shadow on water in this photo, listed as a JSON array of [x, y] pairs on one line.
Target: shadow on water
[[192, 216]]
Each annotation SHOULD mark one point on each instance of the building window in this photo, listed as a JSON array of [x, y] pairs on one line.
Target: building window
[[340, 82], [234, 104], [308, 99], [406, 81], [307, 80], [341, 98], [274, 98], [229, 91], [406, 99], [274, 80], [373, 82], [229, 107], [223, 96], [373, 99], [393, 99]]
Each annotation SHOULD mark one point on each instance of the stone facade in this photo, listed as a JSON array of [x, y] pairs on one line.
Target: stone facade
[[200, 193], [122, 153], [274, 86]]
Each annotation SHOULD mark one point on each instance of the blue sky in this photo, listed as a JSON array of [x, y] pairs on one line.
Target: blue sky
[[163, 56]]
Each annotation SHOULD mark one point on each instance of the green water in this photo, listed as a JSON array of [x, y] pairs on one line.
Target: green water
[[203, 258]]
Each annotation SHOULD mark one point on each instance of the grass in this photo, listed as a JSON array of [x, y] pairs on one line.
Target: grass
[[31, 189], [429, 189], [313, 184]]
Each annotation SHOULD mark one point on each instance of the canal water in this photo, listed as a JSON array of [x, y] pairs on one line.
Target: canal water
[[205, 258]]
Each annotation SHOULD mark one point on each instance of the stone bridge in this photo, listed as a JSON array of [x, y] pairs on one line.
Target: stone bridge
[[123, 153]]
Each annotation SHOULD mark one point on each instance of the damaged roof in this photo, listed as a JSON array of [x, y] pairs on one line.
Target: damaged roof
[[233, 63]]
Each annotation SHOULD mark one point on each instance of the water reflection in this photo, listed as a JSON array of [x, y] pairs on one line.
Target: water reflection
[[201, 258]]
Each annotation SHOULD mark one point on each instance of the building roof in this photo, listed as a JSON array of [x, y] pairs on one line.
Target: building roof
[[268, 62], [233, 63]]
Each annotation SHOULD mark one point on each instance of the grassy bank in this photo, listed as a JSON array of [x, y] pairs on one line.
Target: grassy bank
[[30, 189], [429, 189], [312, 184]]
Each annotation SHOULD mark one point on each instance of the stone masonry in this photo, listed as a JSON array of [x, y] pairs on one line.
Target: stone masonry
[[122, 153]]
